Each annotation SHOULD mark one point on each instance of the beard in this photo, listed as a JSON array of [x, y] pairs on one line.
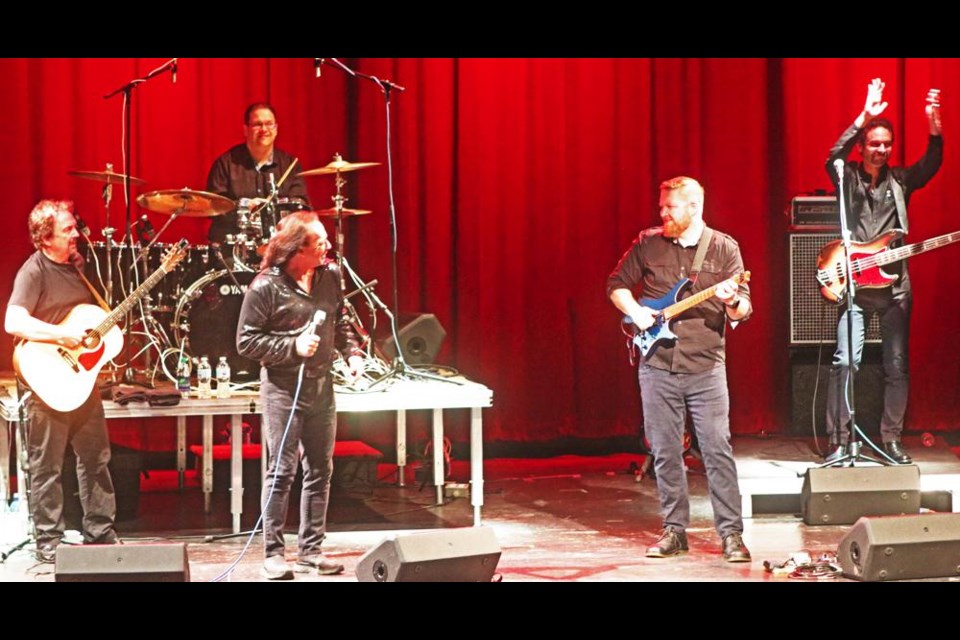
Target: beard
[[675, 228]]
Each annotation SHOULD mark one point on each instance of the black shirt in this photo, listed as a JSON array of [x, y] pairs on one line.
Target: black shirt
[[235, 175], [48, 290], [654, 264], [872, 211]]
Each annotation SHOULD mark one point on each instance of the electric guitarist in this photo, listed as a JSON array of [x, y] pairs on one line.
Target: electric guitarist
[[687, 374], [877, 196], [47, 287]]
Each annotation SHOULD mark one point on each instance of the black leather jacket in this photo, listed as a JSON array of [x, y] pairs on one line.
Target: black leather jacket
[[276, 310]]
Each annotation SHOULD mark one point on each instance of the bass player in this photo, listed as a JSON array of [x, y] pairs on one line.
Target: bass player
[[876, 197]]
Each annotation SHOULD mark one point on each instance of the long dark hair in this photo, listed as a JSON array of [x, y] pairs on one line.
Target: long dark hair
[[292, 232]]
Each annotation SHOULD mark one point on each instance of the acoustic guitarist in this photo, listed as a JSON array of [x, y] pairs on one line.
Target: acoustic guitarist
[[47, 287], [876, 197], [688, 373]]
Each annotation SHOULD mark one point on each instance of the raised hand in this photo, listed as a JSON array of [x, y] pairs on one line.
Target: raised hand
[[933, 111], [874, 105]]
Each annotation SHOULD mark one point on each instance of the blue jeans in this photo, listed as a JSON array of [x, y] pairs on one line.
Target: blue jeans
[[310, 440], [667, 397], [895, 334]]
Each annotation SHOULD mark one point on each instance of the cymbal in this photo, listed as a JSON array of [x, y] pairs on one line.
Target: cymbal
[[346, 212], [104, 176], [339, 165], [186, 203]]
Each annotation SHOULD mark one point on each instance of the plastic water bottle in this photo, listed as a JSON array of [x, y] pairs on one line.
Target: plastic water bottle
[[183, 376], [223, 378], [204, 375]]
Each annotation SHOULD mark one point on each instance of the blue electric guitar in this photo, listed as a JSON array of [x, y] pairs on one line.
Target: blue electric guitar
[[667, 308]]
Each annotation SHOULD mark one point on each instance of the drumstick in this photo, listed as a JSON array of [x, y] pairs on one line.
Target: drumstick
[[279, 184]]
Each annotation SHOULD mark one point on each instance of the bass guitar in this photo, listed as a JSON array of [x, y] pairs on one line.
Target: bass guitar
[[866, 258]]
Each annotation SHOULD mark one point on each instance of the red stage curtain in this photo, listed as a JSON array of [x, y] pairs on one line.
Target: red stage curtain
[[517, 185]]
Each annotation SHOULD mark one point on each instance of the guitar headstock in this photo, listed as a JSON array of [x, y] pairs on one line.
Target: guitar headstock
[[174, 255], [742, 278]]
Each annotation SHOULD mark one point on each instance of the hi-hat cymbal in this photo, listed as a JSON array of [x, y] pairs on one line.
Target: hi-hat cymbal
[[345, 212], [339, 165], [104, 176], [186, 203]]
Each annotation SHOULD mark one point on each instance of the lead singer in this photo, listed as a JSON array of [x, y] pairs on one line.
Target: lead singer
[[292, 317]]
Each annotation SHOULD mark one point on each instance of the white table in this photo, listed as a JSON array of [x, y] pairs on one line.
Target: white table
[[400, 396]]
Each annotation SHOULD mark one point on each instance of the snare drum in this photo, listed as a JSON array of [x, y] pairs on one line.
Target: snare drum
[[262, 222], [206, 320]]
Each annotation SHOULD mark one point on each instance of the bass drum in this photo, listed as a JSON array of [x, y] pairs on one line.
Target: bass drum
[[206, 321]]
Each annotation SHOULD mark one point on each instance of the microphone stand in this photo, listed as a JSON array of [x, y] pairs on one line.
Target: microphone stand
[[127, 92], [400, 366], [853, 455]]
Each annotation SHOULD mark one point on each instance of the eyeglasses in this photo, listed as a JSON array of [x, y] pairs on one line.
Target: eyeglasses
[[268, 126]]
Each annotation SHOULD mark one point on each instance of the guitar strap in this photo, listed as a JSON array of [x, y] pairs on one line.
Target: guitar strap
[[100, 301], [705, 238], [901, 203]]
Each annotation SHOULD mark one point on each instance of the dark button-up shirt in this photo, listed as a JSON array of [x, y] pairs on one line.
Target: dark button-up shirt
[[653, 265], [235, 175], [872, 211]]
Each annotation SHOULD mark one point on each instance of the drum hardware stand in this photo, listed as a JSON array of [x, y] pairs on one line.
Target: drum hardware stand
[[400, 366], [108, 232], [229, 270], [23, 476], [127, 92]]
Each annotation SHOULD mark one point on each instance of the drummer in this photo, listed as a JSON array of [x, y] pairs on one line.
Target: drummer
[[244, 172]]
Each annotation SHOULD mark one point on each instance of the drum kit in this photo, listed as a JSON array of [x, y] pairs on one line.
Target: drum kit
[[195, 308]]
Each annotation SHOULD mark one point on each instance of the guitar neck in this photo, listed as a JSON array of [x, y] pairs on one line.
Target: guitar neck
[[901, 253], [679, 307], [124, 307]]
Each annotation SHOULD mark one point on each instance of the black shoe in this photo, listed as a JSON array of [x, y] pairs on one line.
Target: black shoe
[[670, 543], [734, 550], [896, 452]]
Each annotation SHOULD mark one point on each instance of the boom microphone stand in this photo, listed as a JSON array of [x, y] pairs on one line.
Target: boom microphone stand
[[400, 366], [127, 92], [853, 455]]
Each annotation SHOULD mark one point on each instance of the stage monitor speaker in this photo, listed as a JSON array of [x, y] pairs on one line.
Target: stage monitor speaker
[[842, 495], [122, 563], [902, 548], [453, 555], [421, 336], [812, 318]]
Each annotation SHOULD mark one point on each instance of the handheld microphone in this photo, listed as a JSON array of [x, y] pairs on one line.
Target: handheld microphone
[[317, 320], [173, 72]]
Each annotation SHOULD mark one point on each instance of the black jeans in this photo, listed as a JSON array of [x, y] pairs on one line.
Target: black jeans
[[48, 434], [311, 437]]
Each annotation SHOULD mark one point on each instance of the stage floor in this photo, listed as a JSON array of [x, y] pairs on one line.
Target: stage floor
[[560, 519]]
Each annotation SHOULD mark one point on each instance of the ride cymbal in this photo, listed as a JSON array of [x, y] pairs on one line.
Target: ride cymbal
[[186, 203]]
